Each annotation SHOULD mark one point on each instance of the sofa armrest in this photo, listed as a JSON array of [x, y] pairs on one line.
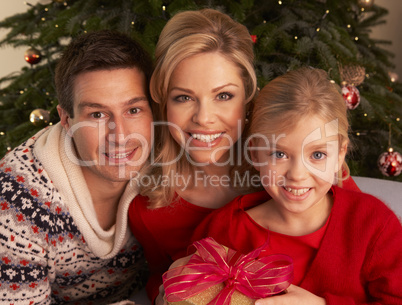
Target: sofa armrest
[[388, 191]]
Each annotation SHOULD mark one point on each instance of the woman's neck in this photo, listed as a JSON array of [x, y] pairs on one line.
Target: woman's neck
[[209, 186]]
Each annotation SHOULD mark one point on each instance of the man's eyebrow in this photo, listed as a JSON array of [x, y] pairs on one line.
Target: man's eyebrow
[[83, 105], [137, 100], [130, 102]]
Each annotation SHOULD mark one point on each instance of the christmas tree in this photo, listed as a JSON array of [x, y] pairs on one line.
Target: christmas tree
[[331, 35]]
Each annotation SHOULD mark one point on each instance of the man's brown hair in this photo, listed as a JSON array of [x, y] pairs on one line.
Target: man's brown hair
[[101, 50]]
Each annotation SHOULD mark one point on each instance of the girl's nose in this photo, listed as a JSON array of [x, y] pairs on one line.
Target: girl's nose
[[297, 170]]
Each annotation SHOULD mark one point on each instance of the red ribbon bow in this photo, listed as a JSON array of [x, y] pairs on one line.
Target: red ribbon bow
[[253, 276]]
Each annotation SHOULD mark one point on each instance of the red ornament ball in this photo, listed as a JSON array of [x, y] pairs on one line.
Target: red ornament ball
[[32, 56], [351, 95], [254, 38], [390, 163]]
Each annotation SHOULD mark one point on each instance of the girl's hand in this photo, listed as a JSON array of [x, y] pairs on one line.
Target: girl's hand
[[295, 296], [161, 298]]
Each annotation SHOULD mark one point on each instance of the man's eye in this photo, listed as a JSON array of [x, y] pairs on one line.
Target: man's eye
[[97, 115], [134, 110]]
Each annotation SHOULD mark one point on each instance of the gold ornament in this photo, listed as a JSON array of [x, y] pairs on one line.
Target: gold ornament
[[365, 3], [39, 117], [352, 74]]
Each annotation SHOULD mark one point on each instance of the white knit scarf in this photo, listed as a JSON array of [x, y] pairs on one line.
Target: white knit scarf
[[54, 150]]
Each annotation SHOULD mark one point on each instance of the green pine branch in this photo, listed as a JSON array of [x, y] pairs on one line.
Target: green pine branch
[[319, 33]]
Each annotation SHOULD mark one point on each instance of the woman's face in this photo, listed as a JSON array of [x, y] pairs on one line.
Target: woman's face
[[206, 108]]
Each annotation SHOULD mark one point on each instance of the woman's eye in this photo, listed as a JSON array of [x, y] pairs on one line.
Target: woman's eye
[[318, 155], [225, 96], [183, 98]]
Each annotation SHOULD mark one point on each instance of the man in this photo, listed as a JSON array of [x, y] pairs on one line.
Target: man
[[65, 192]]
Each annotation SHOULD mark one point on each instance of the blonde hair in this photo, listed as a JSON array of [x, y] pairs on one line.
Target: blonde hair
[[187, 34], [285, 100]]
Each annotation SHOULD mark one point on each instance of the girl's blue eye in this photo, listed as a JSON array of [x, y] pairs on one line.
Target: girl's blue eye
[[318, 155], [279, 154]]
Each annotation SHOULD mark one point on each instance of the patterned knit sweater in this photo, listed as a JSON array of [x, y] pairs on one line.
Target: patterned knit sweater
[[52, 248]]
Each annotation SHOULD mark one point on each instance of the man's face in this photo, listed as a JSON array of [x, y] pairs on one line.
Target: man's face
[[112, 122]]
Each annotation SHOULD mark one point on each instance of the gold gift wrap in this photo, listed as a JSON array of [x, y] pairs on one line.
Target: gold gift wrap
[[206, 296]]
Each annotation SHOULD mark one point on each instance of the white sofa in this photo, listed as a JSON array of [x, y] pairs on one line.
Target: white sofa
[[388, 191]]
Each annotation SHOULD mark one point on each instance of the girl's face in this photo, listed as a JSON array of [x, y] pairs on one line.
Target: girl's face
[[298, 168], [206, 107]]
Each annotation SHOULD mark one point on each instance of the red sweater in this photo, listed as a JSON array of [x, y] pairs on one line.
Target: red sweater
[[165, 233], [359, 260]]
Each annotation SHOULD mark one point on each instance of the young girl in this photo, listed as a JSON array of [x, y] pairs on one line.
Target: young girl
[[346, 245]]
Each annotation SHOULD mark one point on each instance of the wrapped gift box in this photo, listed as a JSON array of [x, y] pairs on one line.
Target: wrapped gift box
[[218, 275]]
